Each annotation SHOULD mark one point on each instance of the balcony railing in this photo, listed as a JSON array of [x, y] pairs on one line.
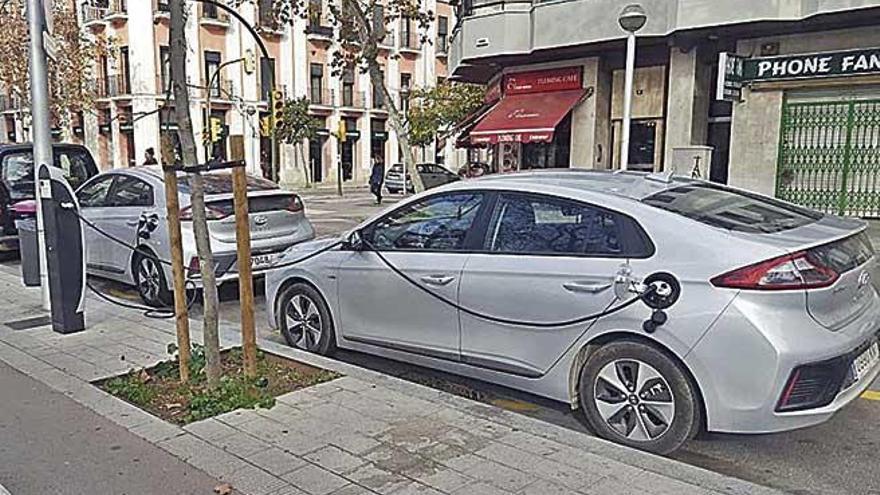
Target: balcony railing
[[100, 86], [119, 85], [319, 31], [442, 46], [92, 13], [211, 14], [321, 96], [117, 9], [222, 89], [409, 40], [161, 7], [8, 103], [352, 99]]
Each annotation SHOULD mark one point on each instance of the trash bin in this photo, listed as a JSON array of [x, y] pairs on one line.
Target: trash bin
[[27, 247]]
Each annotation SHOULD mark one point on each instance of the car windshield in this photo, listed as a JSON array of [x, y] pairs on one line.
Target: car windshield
[[221, 183], [732, 210]]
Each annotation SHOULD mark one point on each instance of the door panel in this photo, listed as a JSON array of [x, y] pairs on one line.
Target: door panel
[[92, 200]]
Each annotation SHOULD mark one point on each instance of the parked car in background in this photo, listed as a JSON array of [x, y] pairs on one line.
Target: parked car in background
[[432, 175], [115, 202], [474, 169], [17, 180], [776, 326]]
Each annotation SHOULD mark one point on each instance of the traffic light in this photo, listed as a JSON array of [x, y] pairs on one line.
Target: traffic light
[[215, 130], [341, 131], [277, 107], [265, 126], [250, 62]]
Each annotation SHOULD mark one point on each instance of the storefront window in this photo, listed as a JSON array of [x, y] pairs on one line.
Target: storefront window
[[554, 154], [642, 145]]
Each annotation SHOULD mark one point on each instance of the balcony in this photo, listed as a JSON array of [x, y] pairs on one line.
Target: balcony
[[317, 32], [161, 9], [93, 15], [100, 87], [409, 42], [267, 22], [9, 103], [322, 97], [352, 100], [441, 45], [118, 86], [117, 11], [210, 15], [221, 90]]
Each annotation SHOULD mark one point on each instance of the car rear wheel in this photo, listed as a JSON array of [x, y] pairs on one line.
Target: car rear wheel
[[304, 319], [634, 394], [149, 277]]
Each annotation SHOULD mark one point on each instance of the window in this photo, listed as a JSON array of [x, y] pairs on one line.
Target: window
[[378, 94], [731, 209], [528, 224], [165, 68], [316, 12], [128, 191], [442, 34], [407, 37], [124, 77], [209, 11], [436, 223], [405, 82], [212, 63], [316, 84], [94, 194], [75, 163], [348, 88], [18, 171], [267, 74]]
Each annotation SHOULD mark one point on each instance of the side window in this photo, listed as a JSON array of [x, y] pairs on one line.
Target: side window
[[74, 164], [18, 175], [129, 191], [526, 224], [95, 193], [435, 223]]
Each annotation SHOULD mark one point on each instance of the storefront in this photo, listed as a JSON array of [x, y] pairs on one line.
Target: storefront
[[530, 124], [378, 140]]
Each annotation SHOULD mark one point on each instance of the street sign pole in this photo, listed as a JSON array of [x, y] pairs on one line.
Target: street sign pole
[[41, 133]]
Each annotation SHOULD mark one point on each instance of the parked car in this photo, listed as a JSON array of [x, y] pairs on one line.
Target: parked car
[[776, 327], [432, 175], [474, 169], [17, 180], [115, 201]]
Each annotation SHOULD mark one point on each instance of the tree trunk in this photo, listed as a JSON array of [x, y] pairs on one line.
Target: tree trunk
[[300, 156], [179, 13]]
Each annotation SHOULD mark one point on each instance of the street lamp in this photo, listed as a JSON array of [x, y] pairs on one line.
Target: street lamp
[[632, 18]]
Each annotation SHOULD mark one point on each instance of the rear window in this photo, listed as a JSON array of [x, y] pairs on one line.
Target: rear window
[[18, 170], [260, 204], [732, 210], [221, 183], [846, 254]]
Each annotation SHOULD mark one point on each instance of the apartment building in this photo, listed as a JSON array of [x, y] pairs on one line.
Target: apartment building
[[133, 85], [795, 113]]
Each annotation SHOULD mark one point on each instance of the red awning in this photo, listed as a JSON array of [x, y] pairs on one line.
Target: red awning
[[525, 118]]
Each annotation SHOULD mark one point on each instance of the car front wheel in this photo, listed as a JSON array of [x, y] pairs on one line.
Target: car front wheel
[[634, 394], [150, 281], [304, 319]]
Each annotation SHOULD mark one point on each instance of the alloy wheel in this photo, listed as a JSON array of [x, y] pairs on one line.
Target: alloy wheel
[[304, 322], [634, 400], [149, 280]]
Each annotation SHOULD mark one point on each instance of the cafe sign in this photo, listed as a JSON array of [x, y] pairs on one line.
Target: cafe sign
[[543, 81]]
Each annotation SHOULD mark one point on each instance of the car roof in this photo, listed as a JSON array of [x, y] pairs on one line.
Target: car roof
[[30, 146], [632, 185]]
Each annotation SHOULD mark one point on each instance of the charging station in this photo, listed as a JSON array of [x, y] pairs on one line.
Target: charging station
[[65, 254]]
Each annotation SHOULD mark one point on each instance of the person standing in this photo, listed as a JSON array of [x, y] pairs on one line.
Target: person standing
[[377, 177], [150, 157]]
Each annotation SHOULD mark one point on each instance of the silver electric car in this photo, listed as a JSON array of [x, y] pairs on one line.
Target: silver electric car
[[775, 326], [129, 204]]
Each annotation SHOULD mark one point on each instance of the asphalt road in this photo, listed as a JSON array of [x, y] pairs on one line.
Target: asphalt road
[[50, 444], [839, 457]]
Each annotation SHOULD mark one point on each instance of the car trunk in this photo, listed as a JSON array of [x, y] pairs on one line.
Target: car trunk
[[270, 215], [842, 245]]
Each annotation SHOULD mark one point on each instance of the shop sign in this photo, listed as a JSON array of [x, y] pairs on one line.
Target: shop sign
[[353, 134], [827, 64], [379, 135], [730, 77], [543, 81], [322, 133]]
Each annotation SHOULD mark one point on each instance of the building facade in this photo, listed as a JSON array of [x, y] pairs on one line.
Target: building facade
[[132, 86], [797, 116]]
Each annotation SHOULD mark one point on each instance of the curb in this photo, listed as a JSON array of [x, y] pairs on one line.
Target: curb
[[4, 491]]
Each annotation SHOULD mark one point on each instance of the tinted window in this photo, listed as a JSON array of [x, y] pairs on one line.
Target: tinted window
[[129, 191], [95, 193], [436, 223], [221, 183], [732, 210], [18, 171], [527, 224]]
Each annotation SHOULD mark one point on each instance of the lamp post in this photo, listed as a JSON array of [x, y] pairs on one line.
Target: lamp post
[[632, 18]]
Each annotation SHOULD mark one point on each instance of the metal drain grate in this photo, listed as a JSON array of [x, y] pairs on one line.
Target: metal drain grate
[[29, 323]]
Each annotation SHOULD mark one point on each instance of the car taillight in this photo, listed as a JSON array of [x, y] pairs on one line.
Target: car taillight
[[210, 213], [789, 272], [295, 205]]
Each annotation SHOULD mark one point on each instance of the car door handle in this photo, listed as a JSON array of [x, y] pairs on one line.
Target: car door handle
[[132, 223], [587, 287], [439, 280]]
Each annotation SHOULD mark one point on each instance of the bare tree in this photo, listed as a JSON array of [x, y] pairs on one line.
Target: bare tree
[[179, 49], [360, 27]]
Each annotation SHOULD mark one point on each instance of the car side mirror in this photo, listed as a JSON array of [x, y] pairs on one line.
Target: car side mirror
[[355, 241]]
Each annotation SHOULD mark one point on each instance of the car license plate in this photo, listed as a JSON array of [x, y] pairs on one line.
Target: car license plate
[[263, 260], [866, 361]]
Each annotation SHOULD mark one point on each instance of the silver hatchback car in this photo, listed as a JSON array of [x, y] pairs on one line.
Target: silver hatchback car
[[775, 327], [118, 201]]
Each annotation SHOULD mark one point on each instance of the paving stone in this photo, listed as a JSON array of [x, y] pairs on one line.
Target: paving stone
[[314, 480], [378, 480], [416, 489], [210, 429], [354, 442], [265, 429], [615, 486], [481, 489], [239, 417], [353, 490], [217, 462], [444, 479], [276, 461], [254, 481], [288, 490], [396, 460], [299, 444], [335, 459], [156, 431], [530, 443], [241, 444], [185, 446], [501, 476], [544, 487]]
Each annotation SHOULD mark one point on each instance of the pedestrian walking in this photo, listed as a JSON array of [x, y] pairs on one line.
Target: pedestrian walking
[[150, 157], [377, 177]]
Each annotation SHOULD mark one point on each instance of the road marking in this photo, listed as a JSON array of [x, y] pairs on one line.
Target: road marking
[[871, 395]]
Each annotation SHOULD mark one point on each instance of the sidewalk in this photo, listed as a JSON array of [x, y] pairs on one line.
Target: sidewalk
[[364, 433]]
